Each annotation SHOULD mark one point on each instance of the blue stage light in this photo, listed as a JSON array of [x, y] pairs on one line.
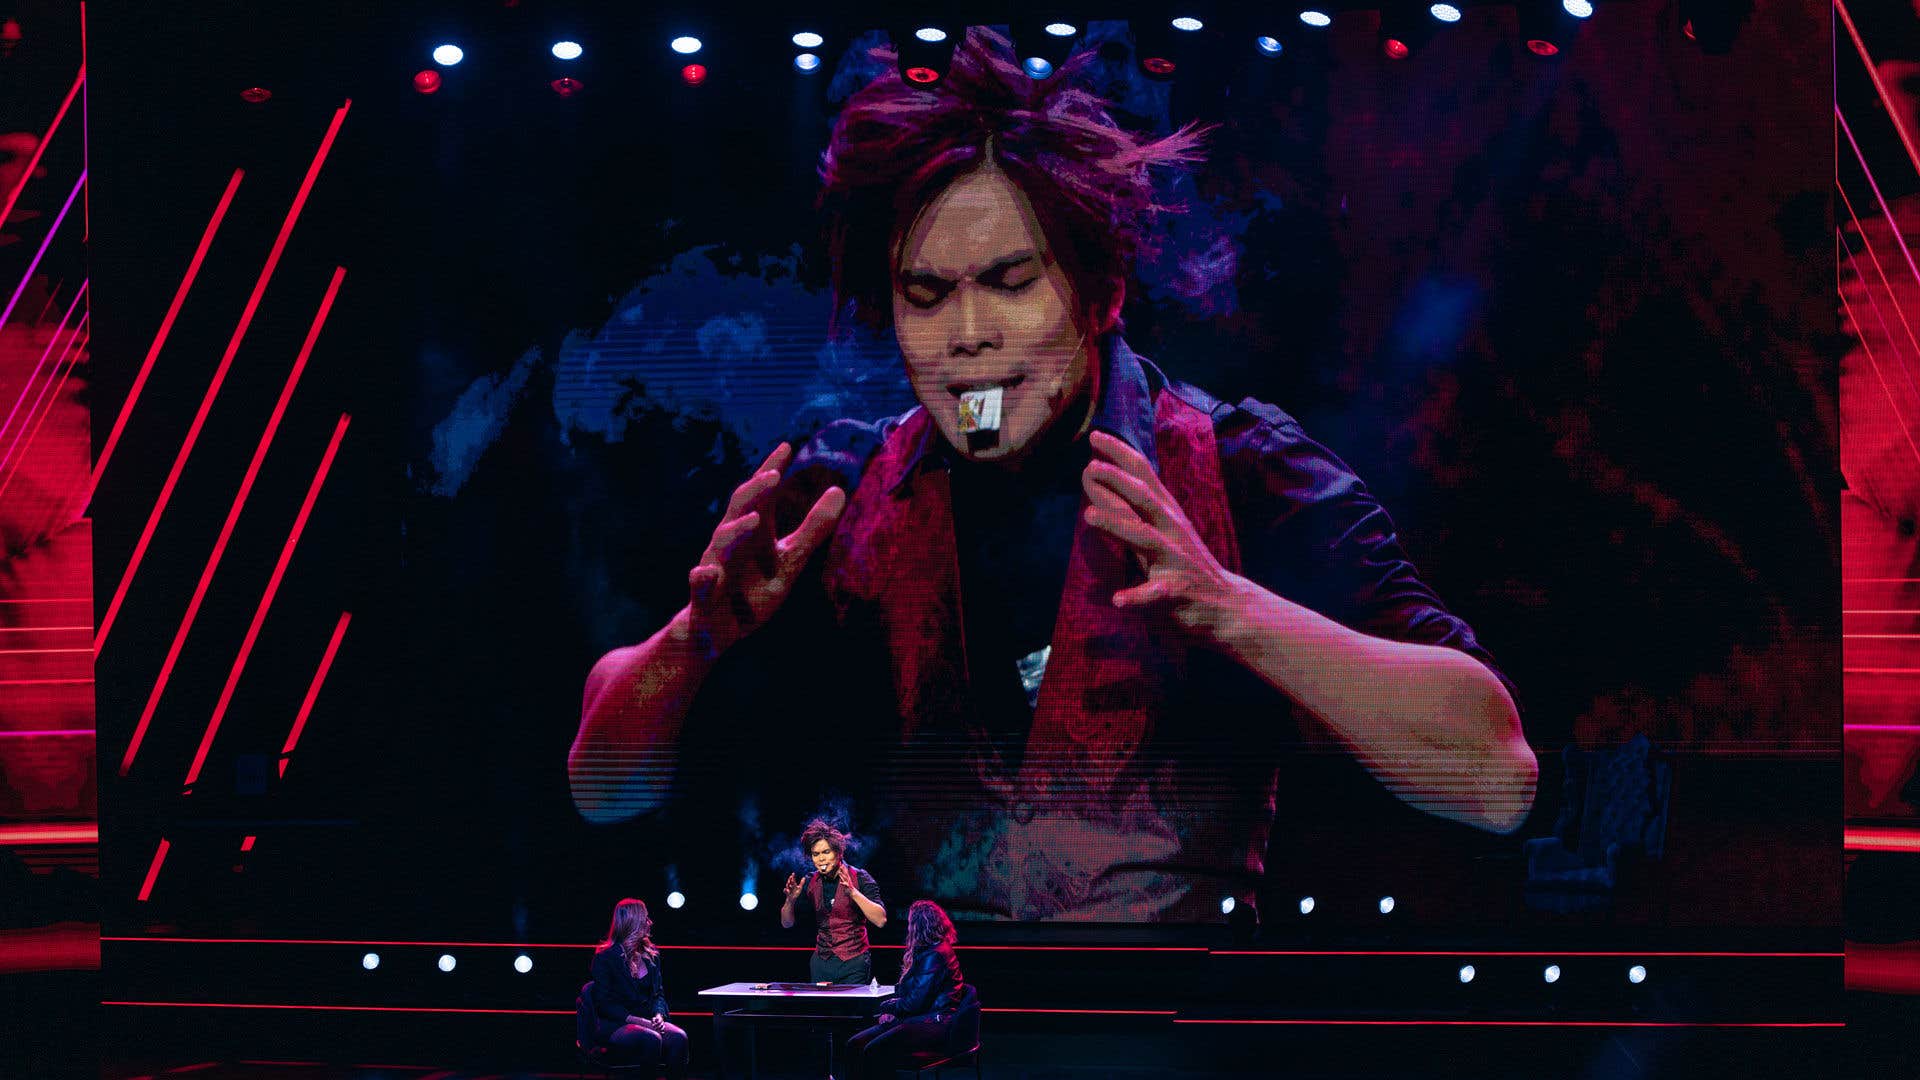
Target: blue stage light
[[1037, 67], [1268, 45], [806, 61]]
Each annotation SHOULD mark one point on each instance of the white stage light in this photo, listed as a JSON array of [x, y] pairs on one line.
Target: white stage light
[[1446, 13], [448, 55], [1188, 23], [1386, 905], [676, 900], [932, 35], [1637, 974], [748, 901], [446, 961], [1306, 905], [1316, 19], [1552, 974], [1466, 973], [807, 39], [370, 961], [523, 963], [1579, 9], [1226, 905], [567, 50], [1061, 29], [686, 46]]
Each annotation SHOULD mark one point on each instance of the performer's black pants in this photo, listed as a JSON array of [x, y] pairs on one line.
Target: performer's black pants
[[829, 968]]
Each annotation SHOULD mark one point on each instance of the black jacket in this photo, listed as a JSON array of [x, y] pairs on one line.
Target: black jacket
[[618, 995], [931, 986]]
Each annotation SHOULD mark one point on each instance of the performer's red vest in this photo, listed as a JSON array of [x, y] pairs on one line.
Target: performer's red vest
[[842, 927], [893, 567]]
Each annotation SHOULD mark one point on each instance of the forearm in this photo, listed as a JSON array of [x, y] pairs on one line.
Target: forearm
[[875, 914], [636, 699], [1432, 724], [786, 915]]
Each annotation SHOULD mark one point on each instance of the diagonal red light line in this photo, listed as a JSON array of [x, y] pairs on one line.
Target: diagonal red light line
[[13, 197], [219, 377], [45, 242], [1893, 297], [233, 517], [1882, 380], [153, 871], [44, 353], [160, 338], [53, 297], [76, 347], [1874, 184], [266, 598], [1906, 137], [313, 690]]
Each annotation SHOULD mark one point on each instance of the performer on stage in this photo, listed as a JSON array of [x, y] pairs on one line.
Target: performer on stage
[[843, 899], [630, 995], [1100, 606], [920, 1013]]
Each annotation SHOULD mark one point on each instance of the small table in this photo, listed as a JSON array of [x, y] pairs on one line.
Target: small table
[[811, 1005]]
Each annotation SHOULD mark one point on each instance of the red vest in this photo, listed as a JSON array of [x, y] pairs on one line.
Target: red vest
[[1064, 836], [842, 926]]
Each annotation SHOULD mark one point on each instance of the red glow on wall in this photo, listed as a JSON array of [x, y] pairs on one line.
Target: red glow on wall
[[1687, 29], [567, 87], [1158, 65], [427, 81], [1542, 47], [255, 95]]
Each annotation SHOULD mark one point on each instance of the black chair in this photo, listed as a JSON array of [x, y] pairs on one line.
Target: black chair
[[1614, 814], [963, 1041], [586, 1048]]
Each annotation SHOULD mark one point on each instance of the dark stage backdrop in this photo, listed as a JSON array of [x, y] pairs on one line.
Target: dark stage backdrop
[[1571, 320]]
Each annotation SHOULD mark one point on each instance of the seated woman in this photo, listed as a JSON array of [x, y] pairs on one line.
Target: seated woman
[[919, 1015], [630, 997]]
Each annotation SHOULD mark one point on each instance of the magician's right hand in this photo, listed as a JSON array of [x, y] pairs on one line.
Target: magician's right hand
[[747, 572]]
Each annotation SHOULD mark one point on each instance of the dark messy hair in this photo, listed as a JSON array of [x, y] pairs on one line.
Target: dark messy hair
[[897, 145], [821, 829]]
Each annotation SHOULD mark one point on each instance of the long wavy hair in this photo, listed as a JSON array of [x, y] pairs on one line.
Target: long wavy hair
[[632, 933], [927, 928]]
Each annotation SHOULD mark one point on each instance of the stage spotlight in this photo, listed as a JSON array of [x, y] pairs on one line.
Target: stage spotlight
[[1547, 27], [1637, 974], [1402, 29], [1316, 18], [1156, 48], [748, 901], [1579, 9], [566, 50], [448, 55], [1386, 905], [1188, 24], [1466, 973], [523, 963], [370, 961], [567, 87], [426, 82], [255, 95], [1268, 46], [1446, 13], [923, 55], [1226, 905], [693, 74], [676, 900], [1552, 974], [1712, 24], [446, 962], [685, 45], [807, 39], [1306, 905], [806, 61], [1041, 45]]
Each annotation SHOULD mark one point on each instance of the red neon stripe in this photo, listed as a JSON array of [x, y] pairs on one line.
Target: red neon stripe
[[160, 338], [266, 598], [153, 871], [33, 163], [313, 689], [40, 629], [33, 835], [45, 243], [1535, 1023], [246, 844], [44, 353], [50, 600], [1881, 378], [41, 652], [1891, 729], [1872, 839], [1906, 138], [219, 377], [1090, 1012], [53, 297], [351, 1008], [43, 682], [1519, 952], [226, 527], [53, 402]]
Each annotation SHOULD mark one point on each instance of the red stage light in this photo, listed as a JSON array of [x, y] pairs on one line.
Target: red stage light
[[1395, 49], [427, 81], [694, 74], [1542, 47], [254, 95], [10, 35], [567, 87], [923, 75], [1158, 65], [1687, 29]]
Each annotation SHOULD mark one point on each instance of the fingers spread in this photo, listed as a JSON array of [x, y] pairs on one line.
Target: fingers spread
[[1128, 529], [1129, 487], [799, 545], [748, 495], [1142, 595]]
